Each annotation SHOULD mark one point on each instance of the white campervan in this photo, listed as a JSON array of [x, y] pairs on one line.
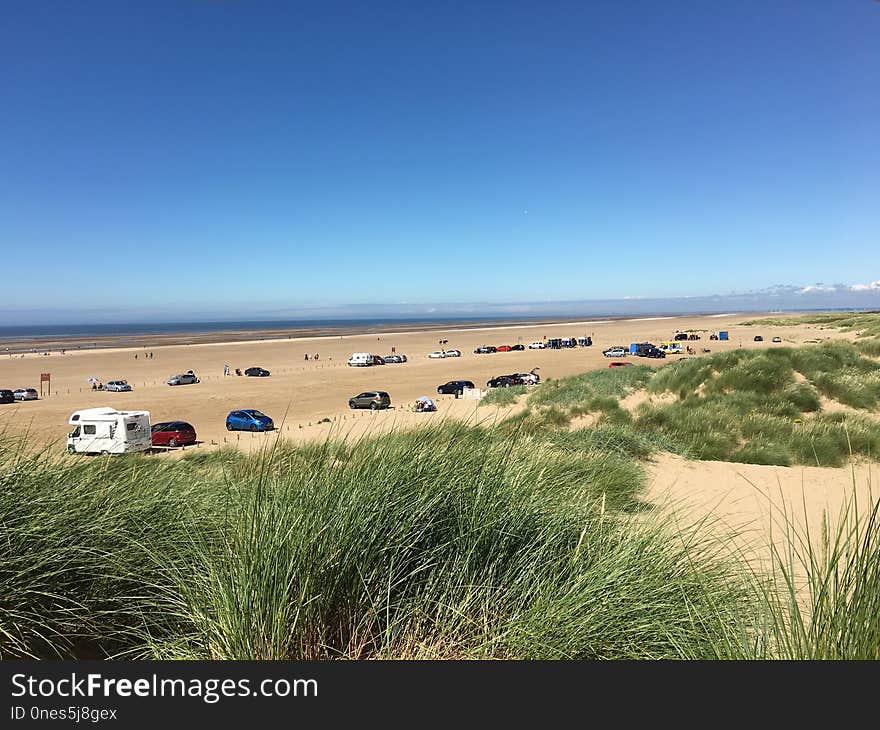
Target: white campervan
[[108, 431], [361, 359]]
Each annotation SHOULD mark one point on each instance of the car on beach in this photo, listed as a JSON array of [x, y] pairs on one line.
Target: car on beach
[[615, 351], [6, 396], [394, 358], [452, 353], [118, 385], [504, 381], [504, 348], [372, 399], [187, 378], [485, 350], [248, 419], [25, 394], [537, 345], [256, 372], [618, 364], [172, 433], [758, 338], [454, 387], [436, 355], [517, 348], [777, 339], [530, 378]]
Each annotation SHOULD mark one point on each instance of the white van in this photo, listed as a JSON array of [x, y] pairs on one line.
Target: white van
[[361, 359], [108, 431]]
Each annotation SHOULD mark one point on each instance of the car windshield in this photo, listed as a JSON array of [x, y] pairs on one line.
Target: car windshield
[[257, 414]]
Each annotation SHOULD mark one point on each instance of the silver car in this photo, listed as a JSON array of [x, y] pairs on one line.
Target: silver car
[[186, 378], [25, 394], [118, 385]]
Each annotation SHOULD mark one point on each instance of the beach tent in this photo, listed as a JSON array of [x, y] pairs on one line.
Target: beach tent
[[424, 403]]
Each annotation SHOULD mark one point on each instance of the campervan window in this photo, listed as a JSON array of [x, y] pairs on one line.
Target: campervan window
[[131, 427], [89, 429]]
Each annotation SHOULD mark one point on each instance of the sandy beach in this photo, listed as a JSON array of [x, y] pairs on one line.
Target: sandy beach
[[300, 393]]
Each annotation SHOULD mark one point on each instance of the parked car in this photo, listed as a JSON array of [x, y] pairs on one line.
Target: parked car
[[436, 354], [758, 338], [504, 348], [615, 351], [452, 353], [256, 372], [654, 352], [394, 358], [187, 378], [537, 345], [25, 394], [517, 348], [7, 396], [503, 381], [117, 385], [618, 364], [248, 419], [485, 349], [531, 378], [172, 433], [777, 339], [372, 399], [454, 387], [679, 336]]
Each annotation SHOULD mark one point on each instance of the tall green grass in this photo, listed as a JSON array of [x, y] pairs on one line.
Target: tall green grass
[[449, 542]]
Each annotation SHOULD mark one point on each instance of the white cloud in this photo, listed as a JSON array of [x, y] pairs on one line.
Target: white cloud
[[814, 288], [874, 285]]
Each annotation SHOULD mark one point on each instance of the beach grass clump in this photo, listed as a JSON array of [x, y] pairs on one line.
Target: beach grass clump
[[869, 347], [469, 553], [503, 396], [579, 389], [452, 541], [823, 597], [73, 561]]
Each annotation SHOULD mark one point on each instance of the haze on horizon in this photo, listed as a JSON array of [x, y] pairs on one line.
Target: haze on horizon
[[237, 160]]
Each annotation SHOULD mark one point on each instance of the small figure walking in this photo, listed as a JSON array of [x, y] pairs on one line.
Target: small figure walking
[[316, 356], [226, 370], [307, 357]]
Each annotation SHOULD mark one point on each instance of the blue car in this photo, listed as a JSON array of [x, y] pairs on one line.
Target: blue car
[[248, 420]]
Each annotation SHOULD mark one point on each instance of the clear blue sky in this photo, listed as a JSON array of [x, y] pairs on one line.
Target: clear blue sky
[[242, 155]]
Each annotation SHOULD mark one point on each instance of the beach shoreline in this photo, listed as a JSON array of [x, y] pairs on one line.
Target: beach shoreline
[[125, 341]]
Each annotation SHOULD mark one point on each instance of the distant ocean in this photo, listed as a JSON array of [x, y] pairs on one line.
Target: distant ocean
[[65, 331]]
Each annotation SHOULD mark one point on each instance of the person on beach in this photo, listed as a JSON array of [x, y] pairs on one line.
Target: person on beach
[[307, 357]]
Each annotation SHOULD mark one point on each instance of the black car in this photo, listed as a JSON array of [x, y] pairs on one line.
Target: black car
[[454, 387], [517, 347], [504, 381], [654, 352], [758, 338], [256, 372], [372, 399], [6, 396], [485, 349]]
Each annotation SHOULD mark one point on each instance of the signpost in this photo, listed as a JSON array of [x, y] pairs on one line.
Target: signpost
[[45, 378]]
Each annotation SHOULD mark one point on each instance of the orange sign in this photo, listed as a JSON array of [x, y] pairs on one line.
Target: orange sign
[[45, 377]]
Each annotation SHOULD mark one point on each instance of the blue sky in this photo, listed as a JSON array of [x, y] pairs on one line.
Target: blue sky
[[242, 156]]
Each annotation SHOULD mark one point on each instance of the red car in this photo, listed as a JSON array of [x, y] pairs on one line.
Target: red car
[[173, 433], [618, 364], [504, 348]]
